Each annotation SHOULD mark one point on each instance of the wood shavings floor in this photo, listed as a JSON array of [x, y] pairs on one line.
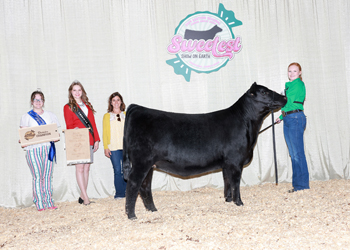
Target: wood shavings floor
[[271, 218]]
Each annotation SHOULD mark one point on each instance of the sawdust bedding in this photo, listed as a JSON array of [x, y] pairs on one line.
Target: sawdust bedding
[[271, 218]]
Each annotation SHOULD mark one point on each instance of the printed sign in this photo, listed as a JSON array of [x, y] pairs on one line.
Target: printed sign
[[38, 134], [204, 42], [77, 146]]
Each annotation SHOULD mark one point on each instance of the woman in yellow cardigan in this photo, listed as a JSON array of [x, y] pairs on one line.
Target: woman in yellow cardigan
[[113, 131]]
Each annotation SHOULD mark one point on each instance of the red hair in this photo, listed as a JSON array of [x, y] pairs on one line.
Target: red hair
[[298, 65]]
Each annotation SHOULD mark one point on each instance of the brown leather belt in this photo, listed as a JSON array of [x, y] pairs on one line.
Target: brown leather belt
[[291, 112]]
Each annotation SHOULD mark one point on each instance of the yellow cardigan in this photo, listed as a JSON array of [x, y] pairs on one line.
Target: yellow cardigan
[[107, 130]]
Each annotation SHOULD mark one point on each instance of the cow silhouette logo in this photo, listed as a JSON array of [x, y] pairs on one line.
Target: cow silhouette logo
[[204, 42], [205, 34], [29, 135]]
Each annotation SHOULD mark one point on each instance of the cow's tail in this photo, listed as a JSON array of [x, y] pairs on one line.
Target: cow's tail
[[126, 161]]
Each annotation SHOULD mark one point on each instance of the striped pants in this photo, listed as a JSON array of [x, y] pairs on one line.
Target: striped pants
[[41, 169]]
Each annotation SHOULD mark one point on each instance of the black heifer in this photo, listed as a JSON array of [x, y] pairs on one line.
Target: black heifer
[[191, 144]]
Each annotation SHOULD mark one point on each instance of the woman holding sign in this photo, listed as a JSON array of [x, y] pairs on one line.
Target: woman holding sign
[[79, 113], [40, 156]]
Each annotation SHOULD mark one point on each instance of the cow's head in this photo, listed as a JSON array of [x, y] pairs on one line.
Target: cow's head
[[266, 99]]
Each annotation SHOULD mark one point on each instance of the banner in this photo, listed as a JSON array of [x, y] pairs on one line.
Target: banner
[[204, 42]]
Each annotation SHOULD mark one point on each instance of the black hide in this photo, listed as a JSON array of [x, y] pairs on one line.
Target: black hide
[[191, 144]]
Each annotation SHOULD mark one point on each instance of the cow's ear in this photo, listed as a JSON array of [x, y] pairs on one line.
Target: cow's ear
[[252, 90], [253, 86]]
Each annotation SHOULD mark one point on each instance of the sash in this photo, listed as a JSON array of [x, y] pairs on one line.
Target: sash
[[85, 121], [41, 121]]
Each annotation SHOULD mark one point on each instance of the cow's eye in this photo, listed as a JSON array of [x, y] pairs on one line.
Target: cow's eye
[[263, 92]]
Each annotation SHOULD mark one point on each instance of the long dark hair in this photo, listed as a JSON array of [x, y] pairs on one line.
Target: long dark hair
[[110, 107]]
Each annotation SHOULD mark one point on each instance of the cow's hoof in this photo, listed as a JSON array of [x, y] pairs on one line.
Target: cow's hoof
[[132, 218], [153, 210], [229, 199], [239, 203]]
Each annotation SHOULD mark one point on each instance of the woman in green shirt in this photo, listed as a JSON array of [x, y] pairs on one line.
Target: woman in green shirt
[[294, 121]]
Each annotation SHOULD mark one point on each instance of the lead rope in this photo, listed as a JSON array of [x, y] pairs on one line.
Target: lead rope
[[268, 126]]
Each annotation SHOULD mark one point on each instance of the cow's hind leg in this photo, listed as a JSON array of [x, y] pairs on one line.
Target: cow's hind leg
[[146, 192], [133, 185], [131, 196]]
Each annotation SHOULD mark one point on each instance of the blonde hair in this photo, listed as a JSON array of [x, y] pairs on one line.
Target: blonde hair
[[298, 65], [71, 101]]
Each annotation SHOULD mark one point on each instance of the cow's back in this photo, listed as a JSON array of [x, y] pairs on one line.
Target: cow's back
[[182, 129]]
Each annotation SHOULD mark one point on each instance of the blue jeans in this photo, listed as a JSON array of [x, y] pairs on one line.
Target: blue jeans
[[119, 182], [294, 126]]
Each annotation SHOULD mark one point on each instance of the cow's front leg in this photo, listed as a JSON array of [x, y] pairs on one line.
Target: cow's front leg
[[146, 192], [236, 178], [227, 186]]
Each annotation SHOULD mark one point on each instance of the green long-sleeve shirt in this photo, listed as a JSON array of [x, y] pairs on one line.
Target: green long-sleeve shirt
[[295, 92]]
